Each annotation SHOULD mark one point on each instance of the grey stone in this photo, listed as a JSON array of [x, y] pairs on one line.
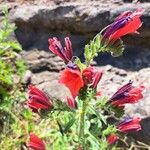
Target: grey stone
[[35, 24], [27, 77], [40, 60]]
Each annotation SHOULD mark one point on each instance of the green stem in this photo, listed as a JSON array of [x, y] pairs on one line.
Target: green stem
[[82, 124]]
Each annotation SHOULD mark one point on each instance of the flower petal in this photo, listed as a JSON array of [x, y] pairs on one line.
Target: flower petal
[[36, 143], [38, 99], [72, 103], [112, 139], [72, 79], [129, 125]]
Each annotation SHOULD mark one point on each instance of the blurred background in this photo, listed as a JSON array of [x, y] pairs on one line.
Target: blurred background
[[38, 20]]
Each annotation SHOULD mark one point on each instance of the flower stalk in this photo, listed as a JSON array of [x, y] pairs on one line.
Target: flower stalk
[[82, 124]]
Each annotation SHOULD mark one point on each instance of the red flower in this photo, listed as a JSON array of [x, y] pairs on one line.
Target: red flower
[[129, 125], [36, 143], [96, 79], [72, 103], [112, 139], [127, 94], [128, 22], [72, 79], [37, 99], [91, 76], [64, 53], [88, 75]]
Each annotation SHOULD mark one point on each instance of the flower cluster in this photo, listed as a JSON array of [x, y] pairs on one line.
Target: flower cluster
[[78, 79], [38, 100], [127, 125], [127, 23], [127, 94], [64, 53], [74, 80]]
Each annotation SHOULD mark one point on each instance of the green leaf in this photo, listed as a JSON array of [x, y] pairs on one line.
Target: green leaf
[[98, 114], [20, 67], [5, 33], [94, 142], [27, 114], [102, 102], [104, 145], [61, 129], [69, 124], [5, 73], [87, 53], [95, 127], [60, 105], [10, 44], [110, 129], [97, 41], [116, 48], [119, 112], [80, 64], [91, 50], [15, 45]]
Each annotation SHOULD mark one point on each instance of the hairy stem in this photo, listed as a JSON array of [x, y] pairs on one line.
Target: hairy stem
[[82, 124]]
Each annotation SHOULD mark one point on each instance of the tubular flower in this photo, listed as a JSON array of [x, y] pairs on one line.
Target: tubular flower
[[91, 76], [65, 53], [112, 139], [88, 75], [97, 78], [72, 79], [129, 125], [128, 22], [36, 143], [127, 94], [72, 103], [38, 100]]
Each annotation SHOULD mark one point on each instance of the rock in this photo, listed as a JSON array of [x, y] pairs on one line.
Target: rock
[[44, 76], [122, 72], [35, 24], [48, 81], [144, 134], [41, 60], [55, 90], [27, 77], [16, 79]]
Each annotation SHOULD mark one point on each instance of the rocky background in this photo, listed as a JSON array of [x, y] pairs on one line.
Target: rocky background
[[36, 21]]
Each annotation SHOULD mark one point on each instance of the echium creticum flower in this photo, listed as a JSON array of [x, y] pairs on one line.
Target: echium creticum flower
[[127, 94], [35, 143], [65, 53], [129, 125], [74, 80], [92, 76], [127, 23], [72, 77], [111, 139], [37, 99]]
